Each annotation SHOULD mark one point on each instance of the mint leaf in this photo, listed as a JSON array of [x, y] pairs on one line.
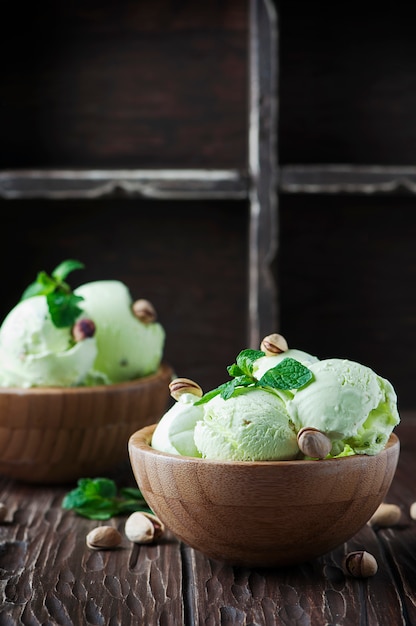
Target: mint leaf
[[63, 308], [98, 498], [211, 394], [43, 285], [234, 370], [66, 267], [288, 374], [241, 381], [62, 303], [246, 358]]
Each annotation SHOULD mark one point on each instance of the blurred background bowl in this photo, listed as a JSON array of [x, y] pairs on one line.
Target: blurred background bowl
[[272, 513], [57, 435]]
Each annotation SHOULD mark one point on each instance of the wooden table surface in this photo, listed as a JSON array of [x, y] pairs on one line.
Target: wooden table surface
[[48, 576]]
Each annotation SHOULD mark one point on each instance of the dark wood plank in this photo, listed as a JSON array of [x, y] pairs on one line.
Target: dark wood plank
[[48, 575], [347, 93], [344, 268], [125, 85]]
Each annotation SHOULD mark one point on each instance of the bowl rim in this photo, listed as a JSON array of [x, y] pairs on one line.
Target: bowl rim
[[140, 440], [164, 370]]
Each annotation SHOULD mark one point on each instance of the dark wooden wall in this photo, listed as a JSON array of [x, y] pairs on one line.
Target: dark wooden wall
[[346, 265], [165, 84], [133, 85]]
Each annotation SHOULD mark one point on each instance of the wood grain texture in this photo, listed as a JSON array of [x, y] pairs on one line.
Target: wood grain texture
[[49, 576], [130, 85], [271, 513], [344, 268], [56, 435]]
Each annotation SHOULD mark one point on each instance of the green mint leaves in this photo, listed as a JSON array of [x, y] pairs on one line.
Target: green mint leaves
[[288, 374], [99, 498], [62, 303]]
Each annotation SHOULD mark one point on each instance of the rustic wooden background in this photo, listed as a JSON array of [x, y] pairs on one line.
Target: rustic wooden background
[[346, 268], [164, 84]]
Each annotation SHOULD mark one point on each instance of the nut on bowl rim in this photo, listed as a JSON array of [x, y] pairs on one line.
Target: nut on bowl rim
[[86, 389], [142, 439]]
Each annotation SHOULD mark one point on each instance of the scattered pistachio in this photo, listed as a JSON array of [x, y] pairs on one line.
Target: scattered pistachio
[[82, 329], [142, 527], [104, 538], [179, 386], [3, 511], [413, 510], [144, 311], [274, 344], [385, 515], [360, 564], [314, 443]]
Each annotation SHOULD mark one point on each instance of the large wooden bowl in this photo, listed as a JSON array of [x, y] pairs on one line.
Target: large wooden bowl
[[57, 435], [272, 513]]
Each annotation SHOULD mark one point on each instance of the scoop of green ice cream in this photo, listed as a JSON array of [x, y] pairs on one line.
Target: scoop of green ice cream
[[127, 347], [350, 403], [35, 353], [175, 431], [252, 425]]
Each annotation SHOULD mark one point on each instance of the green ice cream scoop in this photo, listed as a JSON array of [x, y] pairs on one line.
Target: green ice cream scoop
[[350, 403], [175, 431], [35, 353], [127, 347], [252, 425]]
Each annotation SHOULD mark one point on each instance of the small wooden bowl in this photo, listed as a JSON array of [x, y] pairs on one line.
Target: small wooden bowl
[[57, 435], [272, 513]]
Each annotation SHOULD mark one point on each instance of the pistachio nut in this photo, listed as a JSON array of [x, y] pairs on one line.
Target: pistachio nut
[[143, 527], [144, 311], [179, 386], [385, 515], [103, 538], [314, 443], [360, 564], [274, 344], [82, 329]]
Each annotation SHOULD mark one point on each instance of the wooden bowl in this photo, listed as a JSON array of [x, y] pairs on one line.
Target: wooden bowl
[[57, 435], [270, 513]]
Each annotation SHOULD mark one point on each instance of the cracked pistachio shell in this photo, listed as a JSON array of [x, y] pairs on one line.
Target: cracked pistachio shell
[[142, 527], [103, 538]]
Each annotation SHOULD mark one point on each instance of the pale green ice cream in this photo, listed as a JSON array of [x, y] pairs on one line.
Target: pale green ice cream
[[34, 352], [350, 403], [127, 347], [175, 431], [250, 426]]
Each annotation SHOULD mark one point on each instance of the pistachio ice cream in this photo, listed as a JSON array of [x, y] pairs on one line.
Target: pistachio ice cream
[[96, 334], [253, 425], [350, 403], [283, 405], [35, 353], [127, 347]]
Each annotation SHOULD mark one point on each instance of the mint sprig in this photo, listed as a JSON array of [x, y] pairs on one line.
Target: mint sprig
[[286, 375], [100, 499], [63, 305]]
